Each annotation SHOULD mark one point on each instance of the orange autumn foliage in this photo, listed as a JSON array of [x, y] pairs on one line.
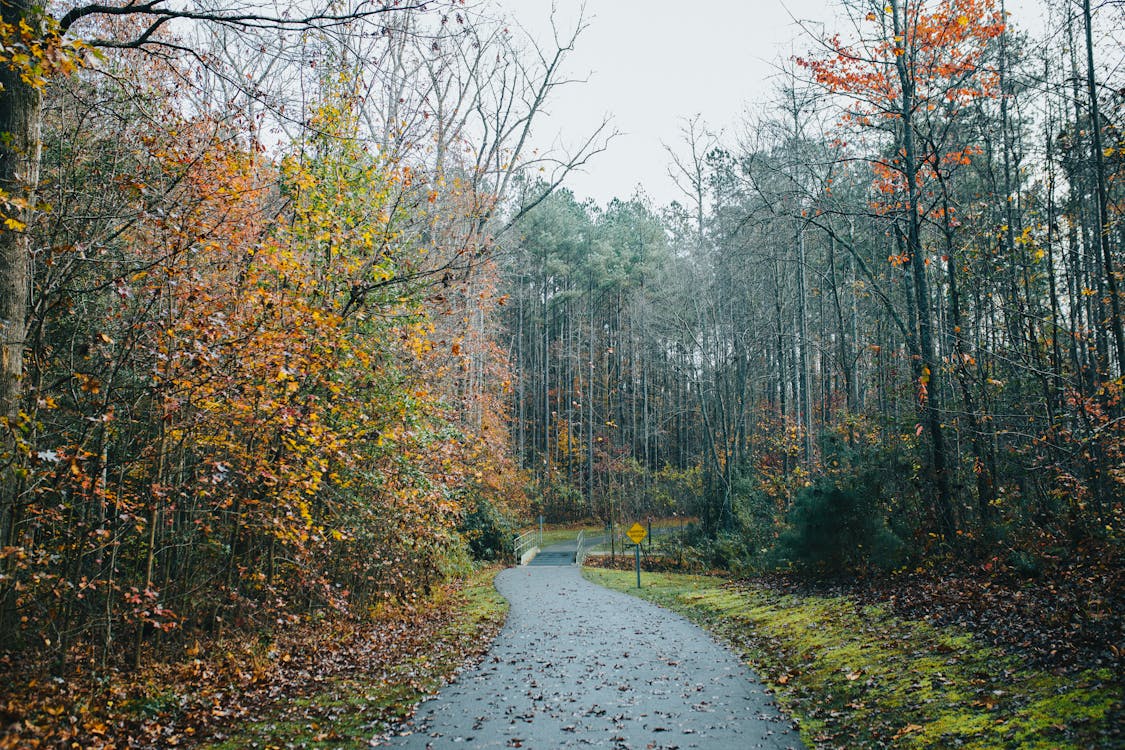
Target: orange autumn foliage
[[263, 428]]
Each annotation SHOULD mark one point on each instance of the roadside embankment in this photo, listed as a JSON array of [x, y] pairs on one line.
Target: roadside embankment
[[856, 675]]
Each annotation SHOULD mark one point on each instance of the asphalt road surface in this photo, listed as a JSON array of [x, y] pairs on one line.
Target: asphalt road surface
[[578, 665]]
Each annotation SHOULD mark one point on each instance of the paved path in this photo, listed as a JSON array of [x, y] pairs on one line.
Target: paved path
[[577, 665], [559, 554]]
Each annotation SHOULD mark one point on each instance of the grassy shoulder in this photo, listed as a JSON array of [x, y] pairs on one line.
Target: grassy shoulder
[[405, 660], [857, 676], [558, 533]]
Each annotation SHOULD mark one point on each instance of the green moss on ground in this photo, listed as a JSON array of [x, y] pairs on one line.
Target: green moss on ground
[[347, 710], [859, 677]]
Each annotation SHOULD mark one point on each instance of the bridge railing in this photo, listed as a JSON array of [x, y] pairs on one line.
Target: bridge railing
[[582, 550], [524, 547]]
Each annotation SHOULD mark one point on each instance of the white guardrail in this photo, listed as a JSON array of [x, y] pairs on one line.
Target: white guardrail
[[524, 548]]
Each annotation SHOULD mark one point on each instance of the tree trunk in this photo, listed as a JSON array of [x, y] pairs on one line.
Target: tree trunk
[[1109, 267], [19, 176], [803, 362], [931, 404], [20, 105]]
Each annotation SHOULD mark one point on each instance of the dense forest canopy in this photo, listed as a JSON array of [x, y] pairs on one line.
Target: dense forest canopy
[[296, 317]]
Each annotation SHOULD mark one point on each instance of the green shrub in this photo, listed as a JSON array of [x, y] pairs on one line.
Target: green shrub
[[710, 550], [756, 515], [488, 531], [834, 529]]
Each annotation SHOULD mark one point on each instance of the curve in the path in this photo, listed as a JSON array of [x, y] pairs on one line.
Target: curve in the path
[[577, 665]]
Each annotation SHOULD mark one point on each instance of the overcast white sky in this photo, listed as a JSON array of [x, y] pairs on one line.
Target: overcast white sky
[[653, 63]]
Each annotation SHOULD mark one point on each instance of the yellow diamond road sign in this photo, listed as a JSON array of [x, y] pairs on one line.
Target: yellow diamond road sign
[[637, 533]]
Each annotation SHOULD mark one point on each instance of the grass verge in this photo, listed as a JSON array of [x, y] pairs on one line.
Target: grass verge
[[554, 534], [856, 676], [347, 708]]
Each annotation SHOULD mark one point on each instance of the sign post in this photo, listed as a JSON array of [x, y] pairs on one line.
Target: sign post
[[637, 533], [637, 554]]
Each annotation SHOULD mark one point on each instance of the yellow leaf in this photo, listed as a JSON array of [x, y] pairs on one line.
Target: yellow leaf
[[909, 728]]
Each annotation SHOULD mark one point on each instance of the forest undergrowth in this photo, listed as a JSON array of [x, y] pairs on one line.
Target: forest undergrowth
[[326, 681]]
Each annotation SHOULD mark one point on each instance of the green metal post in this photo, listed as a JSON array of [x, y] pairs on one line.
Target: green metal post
[[637, 550]]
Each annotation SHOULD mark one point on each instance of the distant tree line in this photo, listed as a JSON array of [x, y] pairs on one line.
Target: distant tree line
[[891, 304]]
